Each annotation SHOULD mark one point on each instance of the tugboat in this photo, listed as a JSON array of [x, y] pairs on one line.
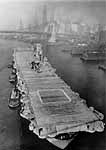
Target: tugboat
[[78, 49], [10, 65], [13, 101], [12, 78]]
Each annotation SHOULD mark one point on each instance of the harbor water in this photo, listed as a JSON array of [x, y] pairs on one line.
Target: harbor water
[[83, 77]]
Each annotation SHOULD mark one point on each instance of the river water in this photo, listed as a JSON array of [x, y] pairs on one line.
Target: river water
[[90, 82], [84, 78]]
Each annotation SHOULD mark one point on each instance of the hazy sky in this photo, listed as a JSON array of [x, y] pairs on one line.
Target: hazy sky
[[11, 11], [44, 0]]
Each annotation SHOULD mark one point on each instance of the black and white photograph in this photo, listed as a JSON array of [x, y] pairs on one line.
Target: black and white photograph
[[52, 74]]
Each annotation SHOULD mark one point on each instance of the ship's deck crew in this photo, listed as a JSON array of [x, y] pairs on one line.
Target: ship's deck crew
[[16, 91], [32, 64], [40, 55], [37, 65]]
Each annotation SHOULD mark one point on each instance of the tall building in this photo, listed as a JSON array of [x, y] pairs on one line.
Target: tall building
[[61, 28], [74, 27], [101, 34], [44, 16], [21, 27]]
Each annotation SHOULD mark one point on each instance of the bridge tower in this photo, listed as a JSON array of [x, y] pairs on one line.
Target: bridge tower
[[21, 27], [44, 22], [53, 33]]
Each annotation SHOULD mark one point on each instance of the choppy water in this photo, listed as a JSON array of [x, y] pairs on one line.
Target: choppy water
[[84, 78]]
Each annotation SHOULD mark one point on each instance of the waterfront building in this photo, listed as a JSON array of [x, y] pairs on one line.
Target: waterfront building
[[61, 28], [67, 26], [74, 27], [102, 37], [21, 26]]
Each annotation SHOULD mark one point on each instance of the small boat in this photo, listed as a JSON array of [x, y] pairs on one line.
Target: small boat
[[12, 78], [13, 101], [10, 65]]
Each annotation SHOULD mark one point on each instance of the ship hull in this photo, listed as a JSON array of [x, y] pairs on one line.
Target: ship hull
[[59, 143], [55, 112]]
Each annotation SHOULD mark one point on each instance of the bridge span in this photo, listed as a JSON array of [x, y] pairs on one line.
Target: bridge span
[[22, 32]]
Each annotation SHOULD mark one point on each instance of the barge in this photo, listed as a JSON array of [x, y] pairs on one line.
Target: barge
[[55, 112], [94, 56], [12, 78]]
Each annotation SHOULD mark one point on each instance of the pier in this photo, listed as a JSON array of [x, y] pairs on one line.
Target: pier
[[50, 105]]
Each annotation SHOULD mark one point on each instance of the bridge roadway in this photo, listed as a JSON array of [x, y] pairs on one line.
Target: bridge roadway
[[71, 35], [23, 32]]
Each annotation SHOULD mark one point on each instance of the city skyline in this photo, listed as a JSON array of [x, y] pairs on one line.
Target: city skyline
[[3, 1], [32, 12]]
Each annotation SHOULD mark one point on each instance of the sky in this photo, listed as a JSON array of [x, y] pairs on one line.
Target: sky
[[43, 0], [12, 11]]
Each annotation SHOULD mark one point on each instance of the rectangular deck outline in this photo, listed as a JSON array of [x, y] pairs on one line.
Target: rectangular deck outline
[[69, 99]]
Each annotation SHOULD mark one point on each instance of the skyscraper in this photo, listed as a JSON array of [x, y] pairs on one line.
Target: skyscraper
[[101, 34], [21, 27], [44, 16]]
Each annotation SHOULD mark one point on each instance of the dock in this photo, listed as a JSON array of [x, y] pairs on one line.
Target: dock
[[49, 104], [94, 56]]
